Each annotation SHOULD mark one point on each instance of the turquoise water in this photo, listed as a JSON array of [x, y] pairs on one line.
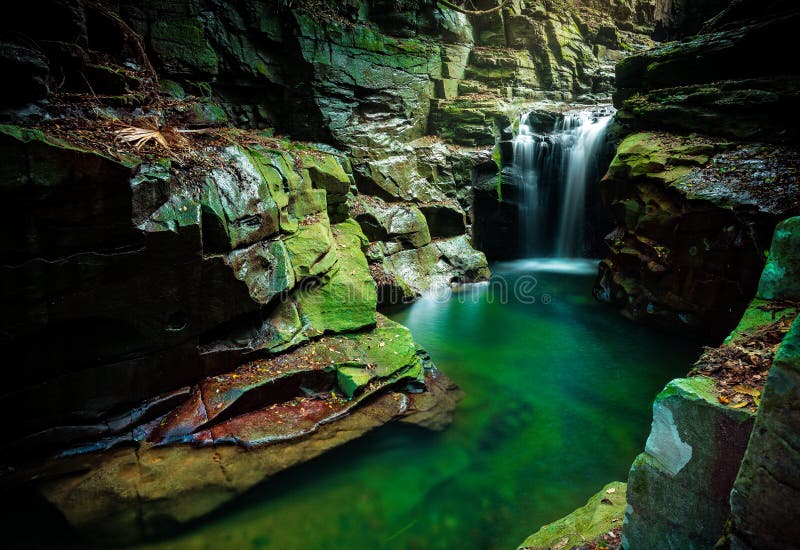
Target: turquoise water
[[558, 403]]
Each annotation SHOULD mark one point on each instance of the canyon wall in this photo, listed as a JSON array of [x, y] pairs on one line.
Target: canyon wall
[[204, 205]]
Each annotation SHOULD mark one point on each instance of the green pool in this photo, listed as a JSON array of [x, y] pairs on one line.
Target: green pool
[[558, 388]]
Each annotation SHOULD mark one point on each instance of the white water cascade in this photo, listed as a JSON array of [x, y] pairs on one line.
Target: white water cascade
[[553, 171]]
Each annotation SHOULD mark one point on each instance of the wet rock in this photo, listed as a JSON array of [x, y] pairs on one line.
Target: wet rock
[[182, 47], [725, 81], [685, 208], [243, 427], [444, 220], [403, 224]]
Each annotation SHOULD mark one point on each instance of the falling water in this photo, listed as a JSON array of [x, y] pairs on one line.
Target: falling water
[[552, 172]]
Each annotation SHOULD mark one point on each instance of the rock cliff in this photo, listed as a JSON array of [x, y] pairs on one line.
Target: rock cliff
[[707, 174]]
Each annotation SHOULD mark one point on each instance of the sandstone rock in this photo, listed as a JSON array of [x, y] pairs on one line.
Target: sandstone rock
[[401, 223], [725, 81], [444, 220], [678, 488]]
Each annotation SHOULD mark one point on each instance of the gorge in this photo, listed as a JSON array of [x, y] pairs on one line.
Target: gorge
[[400, 274]]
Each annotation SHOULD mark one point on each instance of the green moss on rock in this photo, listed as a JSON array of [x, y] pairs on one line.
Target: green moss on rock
[[780, 279], [347, 300], [602, 513], [311, 249], [182, 47]]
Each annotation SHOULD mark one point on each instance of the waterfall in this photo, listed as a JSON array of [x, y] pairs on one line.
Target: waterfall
[[552, 171]]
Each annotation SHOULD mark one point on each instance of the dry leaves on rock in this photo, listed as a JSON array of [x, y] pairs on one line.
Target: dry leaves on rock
[[739, 369], [611, 540]]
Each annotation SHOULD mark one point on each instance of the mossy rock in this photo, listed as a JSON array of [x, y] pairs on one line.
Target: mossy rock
[[326, 172], [758, 315], [347, 300], [780, 279], [311, 249], [265, 268], [767, 487], [182, 47], [602, 513], [386, 353], [658, 157], [678, 489], [242, 199]]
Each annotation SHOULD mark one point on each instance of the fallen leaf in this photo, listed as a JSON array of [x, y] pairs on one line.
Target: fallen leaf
[[747, 390], [738, 405], [141, 136], [724, 400]]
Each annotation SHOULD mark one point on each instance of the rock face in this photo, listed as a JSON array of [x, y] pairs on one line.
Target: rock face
[[767, 484], [678, 18], [725, 81], [206, 298], [689, 207], [678, 489], [681, 489]]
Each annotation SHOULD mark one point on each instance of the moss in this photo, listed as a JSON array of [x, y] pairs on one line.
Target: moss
[[603, 512], [182, 46], [386, 354], [326, 172], [697, 387], [781, 276], [207, 113], [32, 135], [347, 301], [179, 211], [755, 316], [311, 249], [497, 157]]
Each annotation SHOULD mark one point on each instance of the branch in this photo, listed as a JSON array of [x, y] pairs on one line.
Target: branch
[[452, 6]]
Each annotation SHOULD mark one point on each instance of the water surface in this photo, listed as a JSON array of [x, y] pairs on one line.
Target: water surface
[[558, 403]]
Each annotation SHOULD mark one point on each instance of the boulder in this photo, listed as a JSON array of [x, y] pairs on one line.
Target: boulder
[[678, 489], [601, 514], [767, 485], [780, 279]]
